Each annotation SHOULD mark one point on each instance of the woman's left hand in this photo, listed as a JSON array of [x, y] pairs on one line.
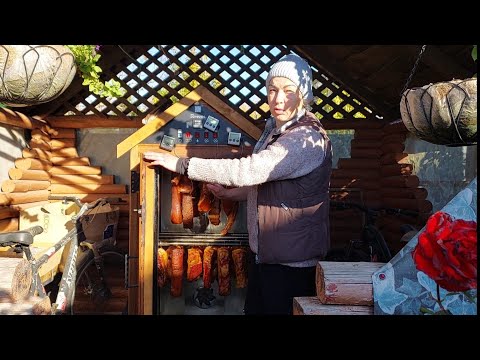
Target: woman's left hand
[[166, 160]]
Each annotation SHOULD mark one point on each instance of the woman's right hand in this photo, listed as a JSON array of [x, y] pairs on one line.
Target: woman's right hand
[[221, 192], [218, 190]]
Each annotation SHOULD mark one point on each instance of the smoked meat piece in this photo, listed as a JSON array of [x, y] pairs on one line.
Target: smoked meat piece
[[214, 213], [162, 264], [230, 208], [176, 211], [208, 254], [223, 260], [187, 211], [206, 199], [194, 263], [239, 256], [177, 271]]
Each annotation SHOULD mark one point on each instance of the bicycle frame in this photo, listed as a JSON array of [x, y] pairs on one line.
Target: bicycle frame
[[68, 276], [370, 236], [64, 296]]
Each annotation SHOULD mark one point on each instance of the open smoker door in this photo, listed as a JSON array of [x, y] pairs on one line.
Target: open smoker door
[[150, 236]]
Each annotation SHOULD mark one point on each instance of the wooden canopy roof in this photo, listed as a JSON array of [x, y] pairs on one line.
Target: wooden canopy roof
[[352, 81]]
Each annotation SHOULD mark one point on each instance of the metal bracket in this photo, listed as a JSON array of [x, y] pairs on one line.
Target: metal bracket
[[134, 182]]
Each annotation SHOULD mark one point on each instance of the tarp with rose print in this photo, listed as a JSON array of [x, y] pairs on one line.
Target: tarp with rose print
[[400, 289]]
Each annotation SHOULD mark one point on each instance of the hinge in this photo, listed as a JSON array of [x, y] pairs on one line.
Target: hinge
[[134, 182]]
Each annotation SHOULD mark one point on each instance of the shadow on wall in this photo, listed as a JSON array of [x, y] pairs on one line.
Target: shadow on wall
[[100, 145], [12, 141], [444, 171]]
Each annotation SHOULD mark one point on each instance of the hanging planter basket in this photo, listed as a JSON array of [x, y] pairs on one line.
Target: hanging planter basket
[[443, 113], [34, 74]]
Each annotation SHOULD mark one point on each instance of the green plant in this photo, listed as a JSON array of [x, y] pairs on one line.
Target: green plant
[[86, 58]]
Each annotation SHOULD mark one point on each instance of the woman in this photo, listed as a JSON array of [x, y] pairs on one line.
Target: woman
[[285, 182]]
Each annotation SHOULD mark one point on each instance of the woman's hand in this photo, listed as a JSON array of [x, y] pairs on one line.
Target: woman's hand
[[236, 194], [166, 160]]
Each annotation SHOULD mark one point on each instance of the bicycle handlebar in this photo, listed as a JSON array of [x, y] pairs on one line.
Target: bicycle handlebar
[[83, 206], [391, 211], [74, 199]]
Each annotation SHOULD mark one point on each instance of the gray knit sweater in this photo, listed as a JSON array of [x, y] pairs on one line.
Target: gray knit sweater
[[286, 158]]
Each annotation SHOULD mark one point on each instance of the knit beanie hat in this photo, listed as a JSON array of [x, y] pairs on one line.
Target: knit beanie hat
[[296, 69]]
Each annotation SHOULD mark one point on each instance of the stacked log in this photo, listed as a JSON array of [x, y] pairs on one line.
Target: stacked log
[[343, 288], [51, 165], [362, 170], [74, 175], [400, 187], [8, 219], [356, 179]]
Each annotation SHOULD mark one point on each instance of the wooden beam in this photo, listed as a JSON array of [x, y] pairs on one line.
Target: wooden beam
[[17, 119], [94, 121], [157, 121], [227, 111], [440, 62], [335, 124], [316, 57], [185, 150]]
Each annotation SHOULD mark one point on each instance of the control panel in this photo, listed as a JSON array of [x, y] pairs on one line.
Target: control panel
[[199, 125]]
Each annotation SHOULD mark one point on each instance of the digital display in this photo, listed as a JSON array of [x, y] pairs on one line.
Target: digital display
[[234, 138], [211, 123], [168, 143]]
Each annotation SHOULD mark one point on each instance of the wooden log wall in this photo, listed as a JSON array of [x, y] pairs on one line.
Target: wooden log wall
[[52, 165], [378, 174]]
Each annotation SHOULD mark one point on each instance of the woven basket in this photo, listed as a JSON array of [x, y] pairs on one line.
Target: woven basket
[[443, 113], [34, 74]]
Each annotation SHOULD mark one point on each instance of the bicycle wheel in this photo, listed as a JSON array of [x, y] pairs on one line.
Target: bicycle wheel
[[92, 295]]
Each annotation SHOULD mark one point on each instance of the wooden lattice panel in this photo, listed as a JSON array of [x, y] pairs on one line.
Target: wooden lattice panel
[[161, 75]]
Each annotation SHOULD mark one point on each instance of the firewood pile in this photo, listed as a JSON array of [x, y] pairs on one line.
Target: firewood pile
[[343, 288], [51, 165]]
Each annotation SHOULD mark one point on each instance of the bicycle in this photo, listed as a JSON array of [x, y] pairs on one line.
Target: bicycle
[[85, 265], [371, 246]]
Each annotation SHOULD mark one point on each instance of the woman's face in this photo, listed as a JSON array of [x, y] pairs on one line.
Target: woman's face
[[284, 99]]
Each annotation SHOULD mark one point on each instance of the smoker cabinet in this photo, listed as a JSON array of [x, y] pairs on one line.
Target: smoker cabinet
[[199, 125], [154, 232]]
